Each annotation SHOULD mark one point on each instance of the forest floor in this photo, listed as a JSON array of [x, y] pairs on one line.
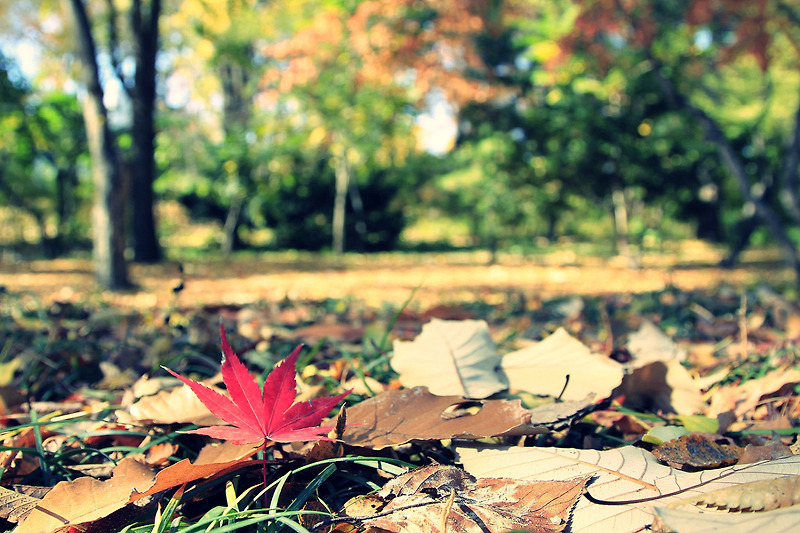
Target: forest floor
[[375, 280], [595, 382]]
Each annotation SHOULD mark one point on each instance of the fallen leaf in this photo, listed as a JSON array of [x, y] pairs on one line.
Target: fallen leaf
[[337, 332], [212, 460], [774, 449], [159, 454], [621, 475], [777, 521], [649, 344], [766, 495], [258, 415], [744, 397], [659, 381], [662, 386], [177, 406], [435, 478], [556, 416], [86, 499], [697, 451], [543, 367], [439, 498], [451, 358], [399, 416], [15, 506]]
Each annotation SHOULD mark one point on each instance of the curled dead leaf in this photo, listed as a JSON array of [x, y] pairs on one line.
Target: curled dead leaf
[[765, 495]]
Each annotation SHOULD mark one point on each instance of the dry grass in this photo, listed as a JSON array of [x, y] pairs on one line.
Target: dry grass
[[375, 279]]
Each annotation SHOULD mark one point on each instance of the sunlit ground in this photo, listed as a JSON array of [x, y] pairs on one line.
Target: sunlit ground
[[391, 277]]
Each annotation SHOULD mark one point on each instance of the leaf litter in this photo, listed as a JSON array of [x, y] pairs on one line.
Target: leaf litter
[[526, 426]]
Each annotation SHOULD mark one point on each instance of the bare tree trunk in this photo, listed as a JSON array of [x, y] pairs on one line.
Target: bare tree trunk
[[144, 24], [340, 203], [231, 227], [108, 233], [621, 222], [358, 212]]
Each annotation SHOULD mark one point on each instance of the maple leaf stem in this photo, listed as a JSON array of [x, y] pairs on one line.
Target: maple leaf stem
[[264, 472]]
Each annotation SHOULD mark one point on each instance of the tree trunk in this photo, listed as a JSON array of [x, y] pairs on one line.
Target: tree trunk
[[731, 160], [789, 181], [144, 24], [742, 233], [231, 228], [108, 233], [621, 223], [340, 203], [358, 214]]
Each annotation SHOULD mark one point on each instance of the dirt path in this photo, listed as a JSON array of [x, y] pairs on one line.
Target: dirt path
[[374, 280]]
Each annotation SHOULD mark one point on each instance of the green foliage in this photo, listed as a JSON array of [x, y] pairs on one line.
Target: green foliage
[[571, 124], [42, 148]]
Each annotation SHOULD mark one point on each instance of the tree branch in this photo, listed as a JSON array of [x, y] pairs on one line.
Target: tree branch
[[113, 46], [733, 163]]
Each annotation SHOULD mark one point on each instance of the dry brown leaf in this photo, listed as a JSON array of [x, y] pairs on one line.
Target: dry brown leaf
[[438, 498], [399, 416], [225, 452], [621, 475], [542, 368], [15, 506], [159, 454], [86, 500], [212, 460], [26, 438], [697, 451], [774, 449], [451, 357], [743, 397], [337, 332]]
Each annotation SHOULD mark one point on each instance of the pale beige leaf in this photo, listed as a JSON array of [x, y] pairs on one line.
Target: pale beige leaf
[[766, 495], [662, 386], [177, 406], [658, 380], [451, 357], [620, 475], [86, 499], [542, 368], [649, 344], [785, 520]]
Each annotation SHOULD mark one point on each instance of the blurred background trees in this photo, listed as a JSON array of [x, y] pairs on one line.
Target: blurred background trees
[[362, 125]]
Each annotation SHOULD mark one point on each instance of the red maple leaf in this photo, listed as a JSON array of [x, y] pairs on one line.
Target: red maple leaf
[[259, 415]]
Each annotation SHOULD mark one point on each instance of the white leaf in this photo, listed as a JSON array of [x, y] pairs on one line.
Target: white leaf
[[451, 358], [784, 520], [621, 474], [650, 344], [542, 368]]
